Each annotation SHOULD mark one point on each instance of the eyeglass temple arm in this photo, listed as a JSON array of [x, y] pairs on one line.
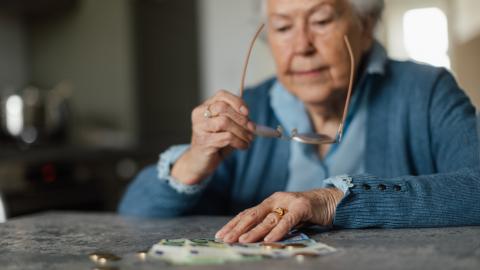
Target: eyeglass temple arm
[[350, 86], [247, 58]]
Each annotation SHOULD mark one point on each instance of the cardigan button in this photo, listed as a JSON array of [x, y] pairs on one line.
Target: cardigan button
[[382, 187], [366, 186], [397, 188]]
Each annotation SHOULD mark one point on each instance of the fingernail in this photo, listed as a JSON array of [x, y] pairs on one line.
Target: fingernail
[[244, 110], [244, 237], [218, 235], [232, 238], [228, 238], [267, 238]]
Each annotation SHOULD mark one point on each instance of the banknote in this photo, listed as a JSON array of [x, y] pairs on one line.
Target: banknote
[[214, 251]]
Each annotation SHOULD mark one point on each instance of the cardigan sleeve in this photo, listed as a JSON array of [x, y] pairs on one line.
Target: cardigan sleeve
[[150, 196], [167, 159], [153, 193], [449, 197]]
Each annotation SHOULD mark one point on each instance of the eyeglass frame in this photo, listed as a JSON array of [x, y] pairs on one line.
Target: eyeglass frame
[[319, 139]]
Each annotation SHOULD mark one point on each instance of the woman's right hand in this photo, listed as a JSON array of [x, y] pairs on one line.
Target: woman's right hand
[[214, 137]]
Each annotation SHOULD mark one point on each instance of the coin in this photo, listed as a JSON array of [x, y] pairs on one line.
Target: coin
[[105, 268], [306, 254], [142, 255], [300, 258], [294, 246], [272, 245], [103, 257]]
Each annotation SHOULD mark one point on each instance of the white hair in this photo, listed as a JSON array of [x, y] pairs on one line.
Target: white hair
[[364, 8], [373, 8]]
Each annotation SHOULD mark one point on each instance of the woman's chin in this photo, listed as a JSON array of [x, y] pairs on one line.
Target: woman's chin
[[312, 94]]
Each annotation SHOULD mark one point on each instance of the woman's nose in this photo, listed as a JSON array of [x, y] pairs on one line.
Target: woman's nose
[[303, 44]]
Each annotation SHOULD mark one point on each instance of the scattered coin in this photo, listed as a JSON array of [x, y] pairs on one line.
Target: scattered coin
[[292, 246], [105, 268], [300, 258], [272, 245], [306, 254], [103, 257], [142, 255]]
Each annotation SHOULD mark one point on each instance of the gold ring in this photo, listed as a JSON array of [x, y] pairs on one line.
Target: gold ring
[[279, 211], [208, 114]]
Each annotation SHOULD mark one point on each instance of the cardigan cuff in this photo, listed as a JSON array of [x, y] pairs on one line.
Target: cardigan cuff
[[167, 159], [342, 182], [370, 201]]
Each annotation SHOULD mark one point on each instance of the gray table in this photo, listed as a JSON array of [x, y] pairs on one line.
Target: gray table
[[64, 240]]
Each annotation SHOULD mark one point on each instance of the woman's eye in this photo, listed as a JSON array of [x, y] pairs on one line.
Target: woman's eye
[[322, 22], [283, 29]]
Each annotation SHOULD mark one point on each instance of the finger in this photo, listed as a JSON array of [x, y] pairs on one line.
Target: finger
[[232, 223], [225, 124], [284, 226], [248, 221], [236, 102], [261, 230], [223, 108], [264, 207], [212, 142], [225, 139]]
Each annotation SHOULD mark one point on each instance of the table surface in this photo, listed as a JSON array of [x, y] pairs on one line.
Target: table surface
[[63, 240]]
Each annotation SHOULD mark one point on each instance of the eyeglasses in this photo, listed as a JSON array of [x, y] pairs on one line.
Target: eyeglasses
[[307, 138]]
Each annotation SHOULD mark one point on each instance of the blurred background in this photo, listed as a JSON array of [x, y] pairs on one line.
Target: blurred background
[[91, 91]]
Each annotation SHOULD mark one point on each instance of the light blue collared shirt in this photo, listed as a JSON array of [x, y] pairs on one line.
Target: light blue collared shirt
[[306, 169]]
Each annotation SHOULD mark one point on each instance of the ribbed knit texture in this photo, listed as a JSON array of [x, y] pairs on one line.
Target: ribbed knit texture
[[421, 156]]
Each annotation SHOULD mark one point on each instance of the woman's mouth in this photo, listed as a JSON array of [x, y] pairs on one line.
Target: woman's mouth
[[307, 73]]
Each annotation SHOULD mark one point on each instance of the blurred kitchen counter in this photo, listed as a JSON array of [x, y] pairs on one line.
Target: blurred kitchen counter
[[71, 152], [68, 177]]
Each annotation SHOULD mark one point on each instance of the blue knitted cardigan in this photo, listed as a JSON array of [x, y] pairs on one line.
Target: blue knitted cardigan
[[422, 159]]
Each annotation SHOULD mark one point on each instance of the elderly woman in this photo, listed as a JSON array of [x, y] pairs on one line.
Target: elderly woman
[[408, 156]]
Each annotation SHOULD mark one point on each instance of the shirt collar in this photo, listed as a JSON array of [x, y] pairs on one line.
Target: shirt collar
[[377, 59]]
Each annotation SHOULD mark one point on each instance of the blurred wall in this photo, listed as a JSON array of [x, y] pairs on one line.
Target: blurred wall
[[167, 69], [467, 19], [91, 47], [226, 28], [467, 67], [13, 55], [464, 28], [467, 46], [393, 22]]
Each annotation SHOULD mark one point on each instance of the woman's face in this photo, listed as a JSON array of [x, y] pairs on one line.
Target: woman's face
[[307, 43]]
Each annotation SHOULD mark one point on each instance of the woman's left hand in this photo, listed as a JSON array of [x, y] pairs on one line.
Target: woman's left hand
[[263, 223]]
